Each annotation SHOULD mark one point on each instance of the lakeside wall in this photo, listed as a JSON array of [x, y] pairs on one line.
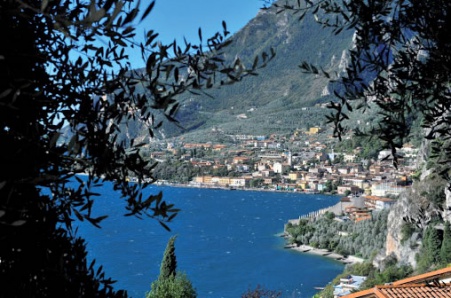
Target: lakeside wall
[[310, 215], [337, 209]]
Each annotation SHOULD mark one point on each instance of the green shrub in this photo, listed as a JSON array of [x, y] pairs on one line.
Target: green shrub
[[329, 215], [364, 238], [173, 287], [407, 229]]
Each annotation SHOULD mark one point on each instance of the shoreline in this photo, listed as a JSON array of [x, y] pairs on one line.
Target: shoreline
[[187, 185], [346, 260], [232, 188]]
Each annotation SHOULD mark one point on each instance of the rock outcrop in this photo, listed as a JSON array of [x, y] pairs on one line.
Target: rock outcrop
[[416, 208]]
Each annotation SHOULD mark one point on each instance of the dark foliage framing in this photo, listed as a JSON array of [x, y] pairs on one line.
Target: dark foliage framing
[[64, 64], [401, 61]]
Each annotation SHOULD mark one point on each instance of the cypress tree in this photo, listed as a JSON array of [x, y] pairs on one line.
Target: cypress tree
[[431, 249], [445, 250], [434, 245], [168, 285], [169, 263], [425, 257]]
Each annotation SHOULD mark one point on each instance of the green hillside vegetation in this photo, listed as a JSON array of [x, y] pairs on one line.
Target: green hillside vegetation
[[363, 239], [278, 92]]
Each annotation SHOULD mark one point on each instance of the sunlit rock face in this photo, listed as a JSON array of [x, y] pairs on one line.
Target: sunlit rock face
[[447, 211], [415, 207], [403, 250]]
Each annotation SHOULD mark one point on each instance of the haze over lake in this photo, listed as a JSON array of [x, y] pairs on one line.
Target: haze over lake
[[226, 242]]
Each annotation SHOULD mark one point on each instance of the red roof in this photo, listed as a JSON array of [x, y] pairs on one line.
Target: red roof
[[405, 291], [419, 286]]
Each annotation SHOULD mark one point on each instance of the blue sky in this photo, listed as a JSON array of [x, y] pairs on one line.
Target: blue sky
[[176, 19]]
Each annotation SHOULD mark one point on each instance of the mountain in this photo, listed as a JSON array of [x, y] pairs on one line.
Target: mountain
[[278, 98]]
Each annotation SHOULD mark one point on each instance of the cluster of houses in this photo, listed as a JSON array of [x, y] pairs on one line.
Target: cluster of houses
[[360, 208], [310, 171], [304, 162]]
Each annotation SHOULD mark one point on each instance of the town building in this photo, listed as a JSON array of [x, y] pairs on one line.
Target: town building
[[348, 285]]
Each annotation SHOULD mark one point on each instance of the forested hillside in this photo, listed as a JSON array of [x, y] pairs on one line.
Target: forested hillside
[[275, 98]]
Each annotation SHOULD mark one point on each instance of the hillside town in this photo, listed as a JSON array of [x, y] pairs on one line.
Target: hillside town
[[304, 162]]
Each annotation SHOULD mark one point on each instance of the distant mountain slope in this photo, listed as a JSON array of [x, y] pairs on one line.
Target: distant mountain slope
[[280, 90], [278, 100]]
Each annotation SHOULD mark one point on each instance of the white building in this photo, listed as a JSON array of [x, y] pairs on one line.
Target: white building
[[280, 168]]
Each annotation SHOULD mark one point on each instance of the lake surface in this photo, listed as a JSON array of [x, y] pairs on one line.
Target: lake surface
[[226, 242]]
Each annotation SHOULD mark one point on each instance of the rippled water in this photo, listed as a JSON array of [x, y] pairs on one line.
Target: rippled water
[[227, 243]]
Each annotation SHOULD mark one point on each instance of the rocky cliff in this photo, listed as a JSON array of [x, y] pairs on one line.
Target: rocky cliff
[[416, 208]]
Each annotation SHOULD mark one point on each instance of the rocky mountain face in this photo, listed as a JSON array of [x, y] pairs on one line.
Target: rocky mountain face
[[408, 205], [272, 100], [417, 209]]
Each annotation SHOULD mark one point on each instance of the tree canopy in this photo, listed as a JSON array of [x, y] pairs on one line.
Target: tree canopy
[[66, 91]]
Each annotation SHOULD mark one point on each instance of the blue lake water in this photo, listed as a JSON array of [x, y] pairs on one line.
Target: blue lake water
[[226, 242]]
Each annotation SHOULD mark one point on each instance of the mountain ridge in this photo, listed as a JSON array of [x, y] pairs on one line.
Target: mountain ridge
[[280, 90]]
